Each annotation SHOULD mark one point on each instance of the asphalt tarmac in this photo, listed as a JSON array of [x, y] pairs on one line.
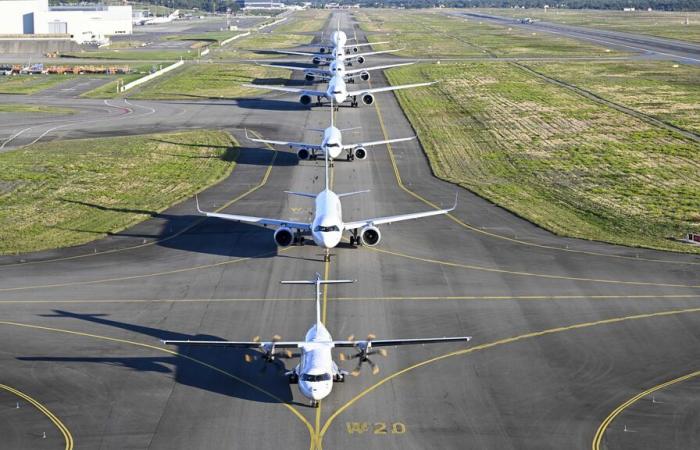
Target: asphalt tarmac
[[565, 331]]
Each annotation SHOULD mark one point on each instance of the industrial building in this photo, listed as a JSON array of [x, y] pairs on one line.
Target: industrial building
[[83, 23]]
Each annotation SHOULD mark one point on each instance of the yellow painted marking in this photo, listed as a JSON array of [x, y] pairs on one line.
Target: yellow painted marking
[[262, 182], [293, 410], [67, 436], [352, 299], [399, 181], [597, 439], [147, 275], [490, 345], [526, 274]]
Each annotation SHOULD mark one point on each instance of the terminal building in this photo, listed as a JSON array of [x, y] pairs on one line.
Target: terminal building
[[90, 23]]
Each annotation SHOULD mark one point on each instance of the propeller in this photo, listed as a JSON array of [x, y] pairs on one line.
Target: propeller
[[267, 352], [364, 351]]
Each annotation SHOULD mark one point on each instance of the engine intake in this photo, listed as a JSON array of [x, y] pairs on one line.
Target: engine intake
[[305, 100], [309, 77], [303, 153], [322, 50], [367, 99], [316, 60], [355, 49], [370, 236], [360, 153], [364, 76], [284, 237], [360, 60]]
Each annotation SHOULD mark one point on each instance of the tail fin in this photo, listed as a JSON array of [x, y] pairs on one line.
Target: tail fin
[[318, 282]]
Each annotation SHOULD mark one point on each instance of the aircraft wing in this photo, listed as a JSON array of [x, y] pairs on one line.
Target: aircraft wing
[[367, 69], [389, 88], [372, 143], [378, 52], [259, 220], [285, 143], [288, 89], [399, 218], [305, 69], [237, 344], [366, 44], [290, 52], [394, 342]]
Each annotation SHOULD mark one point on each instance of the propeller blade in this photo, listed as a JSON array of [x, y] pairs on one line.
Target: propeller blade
[[288, 353], [248, 358], [383, 352], [256, 339], [355, 372], [375, 369], [341, 356], [351, 337], [371, 336], [276, 338]]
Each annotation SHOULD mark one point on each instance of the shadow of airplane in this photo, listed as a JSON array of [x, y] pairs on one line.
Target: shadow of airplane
[[192, 372]]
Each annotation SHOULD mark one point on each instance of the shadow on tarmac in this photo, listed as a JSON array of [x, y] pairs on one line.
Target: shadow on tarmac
[[269, 377]]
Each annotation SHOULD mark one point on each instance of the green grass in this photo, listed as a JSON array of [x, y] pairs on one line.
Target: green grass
[[109, 90], [30, 84], [71, 192], [247, 48], [212, 36], [24, 108], [669, 24], [571, 165], [208, 81], [424, 34], [662, 89], [309, 20]]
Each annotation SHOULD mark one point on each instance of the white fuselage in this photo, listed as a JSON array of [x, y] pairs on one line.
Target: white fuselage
[[327, 226], [332, 142], [337, 89], [339, 39], [316, 368]]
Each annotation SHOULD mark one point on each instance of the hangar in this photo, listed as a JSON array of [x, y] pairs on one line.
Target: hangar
[[83, 23]]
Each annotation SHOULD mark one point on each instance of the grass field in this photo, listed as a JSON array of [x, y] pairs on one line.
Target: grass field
[[306, 21], [208, 80], [571, 165], [212, 36], [662, 89], [25, 108], [71, 192], [248, 47], [109, 90], [426, 34], [669, 24], [30, 84]]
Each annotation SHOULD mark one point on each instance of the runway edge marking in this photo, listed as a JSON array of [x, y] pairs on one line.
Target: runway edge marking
[[490, 345], [600, 432], [293, 410], [67, 436]]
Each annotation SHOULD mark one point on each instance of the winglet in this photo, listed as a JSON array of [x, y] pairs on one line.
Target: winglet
[[455, 205], [196, 200]]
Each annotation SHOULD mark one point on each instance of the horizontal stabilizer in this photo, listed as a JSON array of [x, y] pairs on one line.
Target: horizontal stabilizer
[[301, 194], [348, 194]]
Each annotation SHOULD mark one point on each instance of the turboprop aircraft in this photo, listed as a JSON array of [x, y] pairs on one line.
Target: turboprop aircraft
[[327, 227], [317, 371], [337, 92], [332, 144], [339, 69]]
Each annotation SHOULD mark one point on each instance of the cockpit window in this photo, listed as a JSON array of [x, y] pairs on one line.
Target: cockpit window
[[322, 229], [332, 144], [338, 92], [312, 378]]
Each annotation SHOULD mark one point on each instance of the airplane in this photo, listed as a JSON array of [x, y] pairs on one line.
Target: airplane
[[332, 144], [340, 40], [337, 54], [337, 92], [164, 19], [337, 68], [317, 371], [327, 227]]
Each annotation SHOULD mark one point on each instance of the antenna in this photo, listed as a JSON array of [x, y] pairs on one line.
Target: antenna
[[318, 282]]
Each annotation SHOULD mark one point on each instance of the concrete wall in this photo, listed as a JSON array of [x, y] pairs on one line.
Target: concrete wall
[[37, 46]]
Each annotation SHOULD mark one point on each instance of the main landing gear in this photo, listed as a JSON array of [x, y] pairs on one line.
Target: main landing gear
[[354, 239], [351, 156], [354, 103], [314, 403], [318, 100]]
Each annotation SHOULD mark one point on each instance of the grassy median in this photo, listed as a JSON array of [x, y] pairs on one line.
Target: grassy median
[[64, 193], [30, 84], [26, 108], [569, 164]]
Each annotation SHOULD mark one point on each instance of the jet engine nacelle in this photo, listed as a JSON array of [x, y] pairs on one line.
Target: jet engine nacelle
[[322, 50], [316, 60], [367, 99], [305, 100], [364, 76], [360, 60], [370, 236], [360, 153], [303, 153], [284, 237], [309, 77], [355, 49]]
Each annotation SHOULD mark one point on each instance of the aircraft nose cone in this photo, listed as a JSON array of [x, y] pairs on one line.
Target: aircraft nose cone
[[339, 98]]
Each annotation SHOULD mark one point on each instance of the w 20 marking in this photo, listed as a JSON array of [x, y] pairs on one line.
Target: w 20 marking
[[378, 428]]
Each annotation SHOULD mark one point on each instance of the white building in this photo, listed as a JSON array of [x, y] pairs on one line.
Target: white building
[[82, 23]]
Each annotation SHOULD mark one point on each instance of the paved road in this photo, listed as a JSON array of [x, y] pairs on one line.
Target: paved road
[[652, 46], [564, 330]]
